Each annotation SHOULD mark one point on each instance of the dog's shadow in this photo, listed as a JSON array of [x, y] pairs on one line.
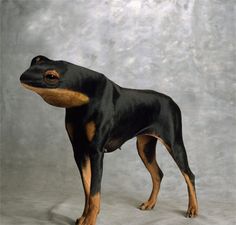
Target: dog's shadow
[[180, 212], [61, 219]]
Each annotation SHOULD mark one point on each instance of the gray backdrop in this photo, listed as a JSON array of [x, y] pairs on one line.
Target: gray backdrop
[[184, 48]]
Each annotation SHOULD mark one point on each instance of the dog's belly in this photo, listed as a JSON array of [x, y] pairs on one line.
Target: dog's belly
[[115, 141]]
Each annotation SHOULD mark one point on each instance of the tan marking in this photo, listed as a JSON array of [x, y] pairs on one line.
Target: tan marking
[[94, 202], [60, 97], [70, 131], [86, 180], [193, 205], [90, 128], [94, 208], [153, 169], [53, 72], [161, 140]]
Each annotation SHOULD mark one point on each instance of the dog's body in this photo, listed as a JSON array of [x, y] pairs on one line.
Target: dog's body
[[101, 116]]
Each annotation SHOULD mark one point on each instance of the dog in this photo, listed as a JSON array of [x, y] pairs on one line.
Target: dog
[[101, 116]]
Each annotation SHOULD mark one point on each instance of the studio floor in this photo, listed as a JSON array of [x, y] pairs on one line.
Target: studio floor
[[118, 208]]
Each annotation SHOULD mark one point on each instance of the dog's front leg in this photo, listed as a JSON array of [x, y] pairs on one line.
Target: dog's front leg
[[83, 162], [84, 165], [96, 162]]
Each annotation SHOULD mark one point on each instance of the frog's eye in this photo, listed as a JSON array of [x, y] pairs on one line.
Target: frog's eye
[[51, 77]]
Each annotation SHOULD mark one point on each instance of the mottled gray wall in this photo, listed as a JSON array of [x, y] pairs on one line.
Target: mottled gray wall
[[184, 48]]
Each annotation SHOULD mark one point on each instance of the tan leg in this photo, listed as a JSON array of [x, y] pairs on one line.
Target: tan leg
[[182, 163], [147, 152], [93, 210], [86, 180], [192, 205], [92, 201], [179, 155]]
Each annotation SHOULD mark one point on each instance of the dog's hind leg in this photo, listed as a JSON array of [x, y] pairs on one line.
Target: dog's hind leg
[[146, 146], [179, 155], [177, 150]]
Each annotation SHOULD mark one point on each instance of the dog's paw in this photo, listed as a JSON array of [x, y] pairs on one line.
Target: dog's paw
[[89, 221], [192, 212], [80, 220], [147, 205]]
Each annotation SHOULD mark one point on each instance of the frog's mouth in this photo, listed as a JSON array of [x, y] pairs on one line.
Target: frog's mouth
[[60, 97]]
